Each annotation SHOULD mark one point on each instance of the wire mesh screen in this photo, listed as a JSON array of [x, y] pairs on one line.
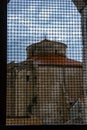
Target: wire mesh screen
[[44, 63]]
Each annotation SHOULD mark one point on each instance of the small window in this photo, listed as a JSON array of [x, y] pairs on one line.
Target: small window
[[27, 78], [55, 51], [70, 103], [35, 77], [32, 53], [34, 100], [60, 112], [29, 109]]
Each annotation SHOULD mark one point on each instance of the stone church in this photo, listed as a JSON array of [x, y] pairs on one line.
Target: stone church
[[45, 85]]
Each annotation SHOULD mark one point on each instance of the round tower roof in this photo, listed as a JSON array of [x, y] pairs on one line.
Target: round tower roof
[[45, 48]]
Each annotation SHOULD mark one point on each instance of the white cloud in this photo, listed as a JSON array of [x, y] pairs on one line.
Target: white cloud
[[13, 17], [24, 22], [46, 12], [31, 9], [44, 16]]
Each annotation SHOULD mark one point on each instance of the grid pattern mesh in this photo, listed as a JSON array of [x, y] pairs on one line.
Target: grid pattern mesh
[[44, 63]]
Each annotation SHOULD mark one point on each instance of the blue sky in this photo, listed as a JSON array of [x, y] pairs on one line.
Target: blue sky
[[30, 21]]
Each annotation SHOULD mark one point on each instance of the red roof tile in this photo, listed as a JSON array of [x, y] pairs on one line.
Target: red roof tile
[[56, 60]]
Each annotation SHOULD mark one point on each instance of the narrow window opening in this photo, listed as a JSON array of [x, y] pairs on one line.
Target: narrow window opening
[[35, 77], [55, 51], [34, 100], [27, 78], [32, 53]]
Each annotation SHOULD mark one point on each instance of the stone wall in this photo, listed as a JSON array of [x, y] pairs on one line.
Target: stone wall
[[56, 89], [23, 92], [10, 91], [46, 48]]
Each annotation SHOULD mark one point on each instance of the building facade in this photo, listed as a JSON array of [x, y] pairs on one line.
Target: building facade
[[45, 85]]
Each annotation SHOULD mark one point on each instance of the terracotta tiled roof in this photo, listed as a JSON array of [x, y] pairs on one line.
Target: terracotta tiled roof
[[55, 60]]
